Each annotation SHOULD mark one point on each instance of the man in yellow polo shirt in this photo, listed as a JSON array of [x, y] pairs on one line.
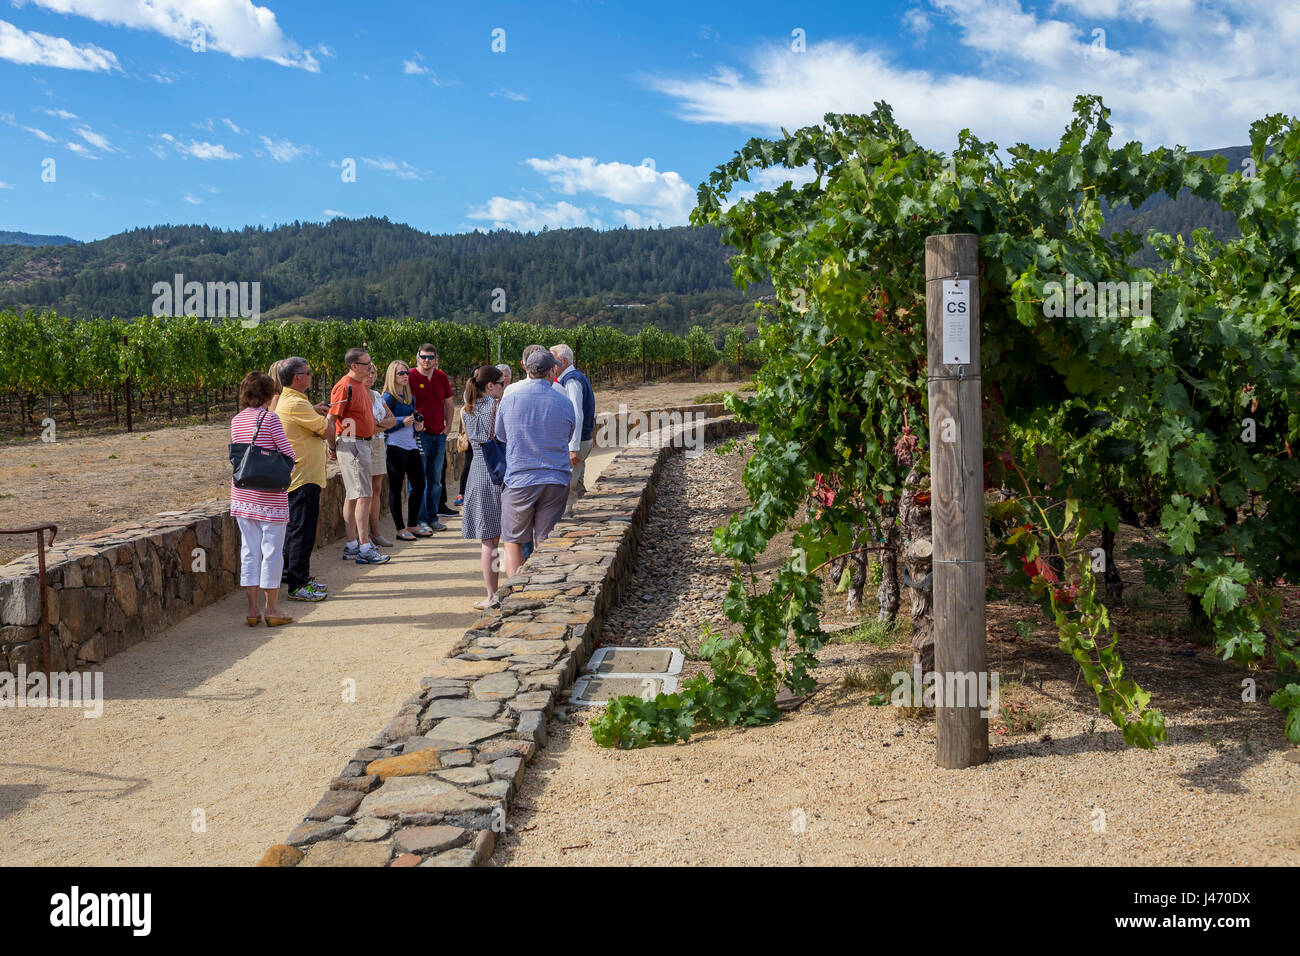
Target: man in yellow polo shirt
[[309, 430]]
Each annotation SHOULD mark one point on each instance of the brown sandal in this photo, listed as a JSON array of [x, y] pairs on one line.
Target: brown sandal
[[254, 621], [278, 621]]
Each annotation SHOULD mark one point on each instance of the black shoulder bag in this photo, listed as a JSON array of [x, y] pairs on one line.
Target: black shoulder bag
[[263, 469]]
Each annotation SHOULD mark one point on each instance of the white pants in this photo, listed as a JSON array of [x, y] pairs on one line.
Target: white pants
[[261, 559]]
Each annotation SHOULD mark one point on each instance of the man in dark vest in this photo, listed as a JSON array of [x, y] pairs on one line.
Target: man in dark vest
[[583, 399]]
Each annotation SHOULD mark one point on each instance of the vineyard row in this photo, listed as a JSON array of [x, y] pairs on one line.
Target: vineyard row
[[49, 361]]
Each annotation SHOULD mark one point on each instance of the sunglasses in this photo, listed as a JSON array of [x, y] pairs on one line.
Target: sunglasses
[[402, 373], [431, 358]]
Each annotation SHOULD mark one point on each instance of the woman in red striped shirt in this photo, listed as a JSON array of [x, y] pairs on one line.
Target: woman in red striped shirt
[[263, 516]]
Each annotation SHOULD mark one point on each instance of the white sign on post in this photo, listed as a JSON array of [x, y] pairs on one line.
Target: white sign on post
[[956, 322]]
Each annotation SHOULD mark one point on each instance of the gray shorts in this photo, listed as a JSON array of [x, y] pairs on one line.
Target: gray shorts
[[529, 514], [354, 465]]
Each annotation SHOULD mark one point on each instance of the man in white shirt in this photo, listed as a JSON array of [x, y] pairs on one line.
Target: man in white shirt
[[577, 388]]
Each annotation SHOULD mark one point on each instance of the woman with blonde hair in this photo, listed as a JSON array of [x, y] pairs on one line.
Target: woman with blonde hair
[[405, 464], [274, 375], [378, 455], [481, 517]]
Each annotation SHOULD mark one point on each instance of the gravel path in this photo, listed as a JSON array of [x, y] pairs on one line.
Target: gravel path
[[842, 782], [246, 725]]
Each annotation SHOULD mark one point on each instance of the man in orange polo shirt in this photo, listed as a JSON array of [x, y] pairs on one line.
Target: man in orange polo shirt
[[354, 424]]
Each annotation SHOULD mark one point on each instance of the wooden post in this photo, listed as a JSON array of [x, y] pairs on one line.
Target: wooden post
[[645, 374], [127, 393], [957, 498]]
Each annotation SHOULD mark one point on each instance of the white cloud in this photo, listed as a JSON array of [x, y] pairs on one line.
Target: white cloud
[[192, 201], [635, 220], [1172, 71], [402, 169], [526, 216], [97, 140], [39, 49], [235, 27], [233, 127], [283, 151], [61, 114], [667, 196], [416, 67], [511, 95], [916, 21], [8, 118], [161, 77], [199, 150], [6, 185], [209, 189], [80, 149], [205, 125], [333, 213]]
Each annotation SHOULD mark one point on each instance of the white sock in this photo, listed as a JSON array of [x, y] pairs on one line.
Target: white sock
[[352, 545], [367, 547]]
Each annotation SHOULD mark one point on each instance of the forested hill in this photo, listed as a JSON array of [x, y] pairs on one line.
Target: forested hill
[[1180, 216], [369, 268], [27, 239]]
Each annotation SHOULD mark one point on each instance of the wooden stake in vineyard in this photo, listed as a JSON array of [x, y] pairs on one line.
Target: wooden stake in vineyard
[[957, 498], [127, 393]]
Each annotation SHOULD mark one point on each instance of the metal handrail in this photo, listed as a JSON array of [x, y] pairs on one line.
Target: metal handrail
[[39, 530]]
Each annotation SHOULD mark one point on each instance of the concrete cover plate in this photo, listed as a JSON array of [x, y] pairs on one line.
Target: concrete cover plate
[[635, 660], [594, 691]]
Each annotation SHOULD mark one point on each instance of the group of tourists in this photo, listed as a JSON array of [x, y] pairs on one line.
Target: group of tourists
[[525, 444]]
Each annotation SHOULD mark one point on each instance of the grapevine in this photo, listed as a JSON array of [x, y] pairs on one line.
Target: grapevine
[[1089, 419]]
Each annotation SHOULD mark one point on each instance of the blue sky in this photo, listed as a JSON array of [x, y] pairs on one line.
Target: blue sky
[[599, 114]]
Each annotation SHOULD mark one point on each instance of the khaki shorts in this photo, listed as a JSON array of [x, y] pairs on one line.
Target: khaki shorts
[[354, 465], [378, 456], [529, 514]]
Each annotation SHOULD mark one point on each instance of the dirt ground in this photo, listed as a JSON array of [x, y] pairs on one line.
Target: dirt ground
[[842, 782], [215, 737], [86, 484]]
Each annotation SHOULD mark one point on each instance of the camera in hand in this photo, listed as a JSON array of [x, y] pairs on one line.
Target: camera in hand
[[419, 418]]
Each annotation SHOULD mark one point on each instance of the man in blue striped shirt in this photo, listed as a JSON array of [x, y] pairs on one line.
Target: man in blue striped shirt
[[536, 422]]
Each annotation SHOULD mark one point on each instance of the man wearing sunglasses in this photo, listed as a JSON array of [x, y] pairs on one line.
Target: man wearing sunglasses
[[431, 389], [354, 424]]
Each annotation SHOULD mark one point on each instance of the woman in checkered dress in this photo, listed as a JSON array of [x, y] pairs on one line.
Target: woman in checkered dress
[[481, 516]]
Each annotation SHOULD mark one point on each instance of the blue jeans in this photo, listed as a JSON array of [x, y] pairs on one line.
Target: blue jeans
[[433, 450]]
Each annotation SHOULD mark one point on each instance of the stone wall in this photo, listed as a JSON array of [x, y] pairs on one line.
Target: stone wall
[[115, 588], [433, 788]]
